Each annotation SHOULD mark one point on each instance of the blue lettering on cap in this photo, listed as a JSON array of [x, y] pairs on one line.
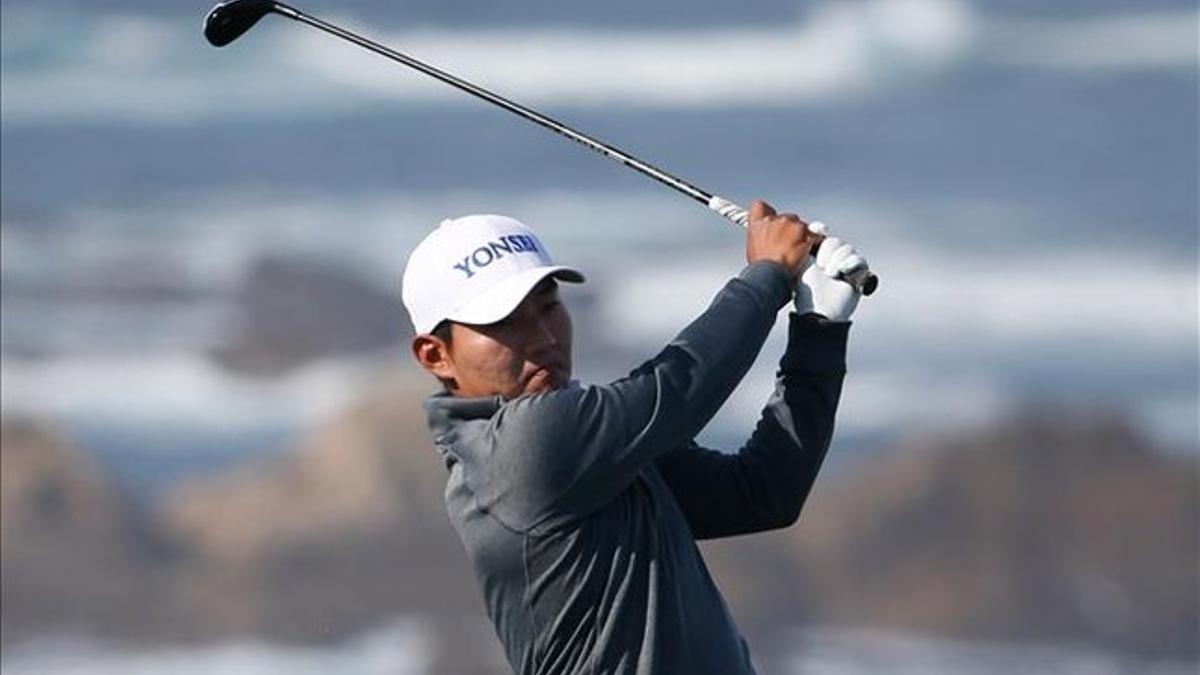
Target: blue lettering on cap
[[487, 260], [530, 242], [494, 250], [502, 245]]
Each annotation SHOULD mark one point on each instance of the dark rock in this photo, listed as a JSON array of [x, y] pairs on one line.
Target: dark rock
[[1046, 528], [1060, 527], [289, 313], [348, 529], [75, 555]]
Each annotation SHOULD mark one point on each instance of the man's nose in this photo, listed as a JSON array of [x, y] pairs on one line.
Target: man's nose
[[542, 335]]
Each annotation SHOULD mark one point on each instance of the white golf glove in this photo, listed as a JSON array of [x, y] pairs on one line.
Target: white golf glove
[[819, 289]]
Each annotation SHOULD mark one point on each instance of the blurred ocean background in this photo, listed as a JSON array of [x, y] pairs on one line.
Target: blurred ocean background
[[213, 454]]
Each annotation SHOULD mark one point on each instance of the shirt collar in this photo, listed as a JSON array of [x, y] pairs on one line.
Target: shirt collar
[[444, 412]]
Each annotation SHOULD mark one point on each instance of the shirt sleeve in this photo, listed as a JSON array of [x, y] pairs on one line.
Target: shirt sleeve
[[764, 485], [563, 454]]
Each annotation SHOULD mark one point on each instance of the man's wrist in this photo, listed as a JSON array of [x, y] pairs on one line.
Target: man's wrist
[[772, 278], [815, 345], [817, 319]]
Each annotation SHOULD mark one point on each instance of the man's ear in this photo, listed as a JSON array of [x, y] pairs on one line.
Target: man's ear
[[433, 354]]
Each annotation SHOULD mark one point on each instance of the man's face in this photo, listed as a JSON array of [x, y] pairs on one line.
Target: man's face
[[527, 352]]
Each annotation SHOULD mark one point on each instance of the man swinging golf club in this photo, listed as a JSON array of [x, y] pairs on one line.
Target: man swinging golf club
[[580, 506]]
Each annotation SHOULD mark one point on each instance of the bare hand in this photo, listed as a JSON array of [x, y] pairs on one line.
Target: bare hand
[[783, 238]]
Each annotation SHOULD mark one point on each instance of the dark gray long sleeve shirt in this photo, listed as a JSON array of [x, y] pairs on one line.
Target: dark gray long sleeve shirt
[[580, 508]]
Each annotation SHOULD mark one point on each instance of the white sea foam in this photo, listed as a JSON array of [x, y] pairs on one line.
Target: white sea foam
[[404, 649], [182, 389], [398, 648], [153, 70], [878, 400], [837, 50], [951, 321], [827, 651], [210, 249], [1149, 40], [950, 301], [965, 338]]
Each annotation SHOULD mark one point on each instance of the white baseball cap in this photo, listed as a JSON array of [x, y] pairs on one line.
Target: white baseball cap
[[476, 270]]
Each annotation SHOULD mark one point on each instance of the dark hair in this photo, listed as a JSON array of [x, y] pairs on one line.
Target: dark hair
[[442, 331]]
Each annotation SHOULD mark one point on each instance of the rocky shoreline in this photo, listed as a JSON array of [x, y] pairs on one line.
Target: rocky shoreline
[[1065, 529]]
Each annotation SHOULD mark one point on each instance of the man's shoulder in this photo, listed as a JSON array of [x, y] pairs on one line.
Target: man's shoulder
[[546, 403]]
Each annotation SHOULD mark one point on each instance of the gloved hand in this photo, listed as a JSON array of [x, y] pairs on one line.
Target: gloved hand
[[819, 290]]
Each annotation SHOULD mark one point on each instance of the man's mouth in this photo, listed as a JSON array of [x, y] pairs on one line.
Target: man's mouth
[[547, 377]]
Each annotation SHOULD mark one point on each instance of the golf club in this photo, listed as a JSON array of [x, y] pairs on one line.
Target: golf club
[[228, 20]]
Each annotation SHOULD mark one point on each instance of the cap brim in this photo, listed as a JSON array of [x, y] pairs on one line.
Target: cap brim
[[500, 300]]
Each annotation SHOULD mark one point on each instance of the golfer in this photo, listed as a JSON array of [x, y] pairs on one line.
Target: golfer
[[580, 506]]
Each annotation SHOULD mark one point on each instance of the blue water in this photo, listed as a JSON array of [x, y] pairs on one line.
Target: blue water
[[1105, 160], [976, 164]]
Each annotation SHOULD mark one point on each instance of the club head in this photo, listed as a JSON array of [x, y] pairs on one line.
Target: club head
[[228, 20]]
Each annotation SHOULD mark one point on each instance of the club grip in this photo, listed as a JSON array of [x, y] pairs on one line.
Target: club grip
[[863, 279]]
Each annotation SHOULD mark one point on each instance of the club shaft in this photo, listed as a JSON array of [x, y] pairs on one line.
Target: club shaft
[[583, 139], [863, 279]]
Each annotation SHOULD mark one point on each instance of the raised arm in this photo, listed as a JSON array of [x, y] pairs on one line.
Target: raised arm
[[764, 485], [564, 453]]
